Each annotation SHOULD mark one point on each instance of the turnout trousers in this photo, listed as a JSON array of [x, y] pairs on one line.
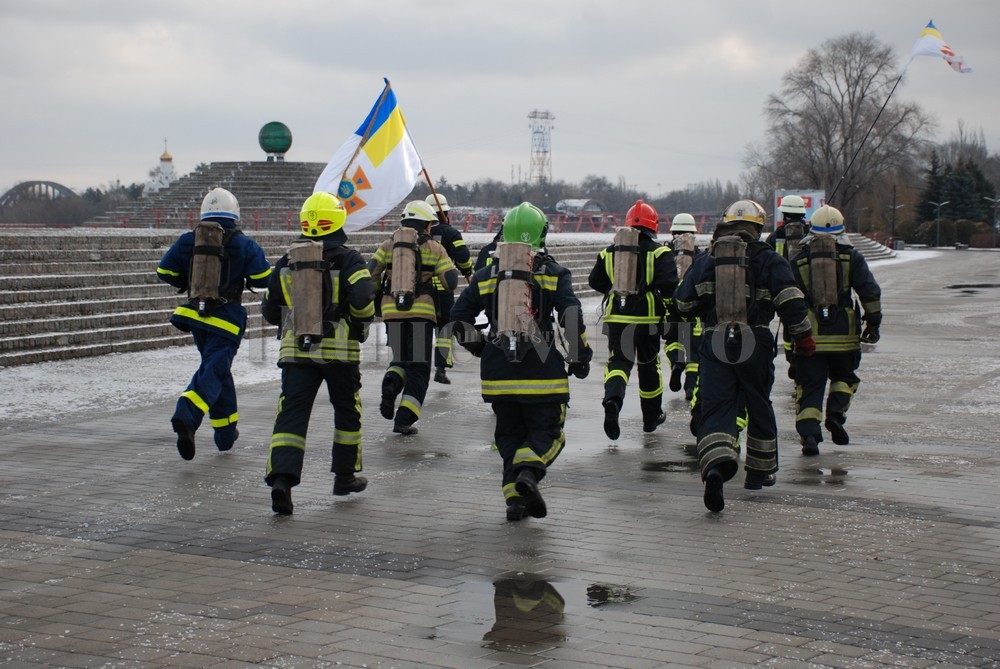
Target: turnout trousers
[[527, 435], [732, 380], [634, 344], [410, 369], [811, 374], [211, 390], [443, 342], [299, 385]]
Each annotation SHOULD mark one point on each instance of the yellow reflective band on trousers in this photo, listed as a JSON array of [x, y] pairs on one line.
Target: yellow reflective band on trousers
[[525, 455], [444, 345], [347, 438], [398, 371], [412, 403], [809, 413], [504, 387], [510, 492], [228, 420], [195, 399], [288, 440], [612, 373], [691, 368], [714, 448], [761, 454], [214, 322]]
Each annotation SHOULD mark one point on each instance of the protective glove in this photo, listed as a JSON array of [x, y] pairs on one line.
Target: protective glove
[[870, 335], [805, 345], [579, 369]]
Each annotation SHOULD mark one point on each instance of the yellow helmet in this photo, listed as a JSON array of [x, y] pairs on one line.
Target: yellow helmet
[[322, 214], [745, 210], [827, 221]]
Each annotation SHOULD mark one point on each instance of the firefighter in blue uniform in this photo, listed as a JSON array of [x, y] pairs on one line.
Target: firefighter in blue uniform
[[347, 308], [410, 328], [682, 338], [836, 327], [785, 241], [451, 239], [634, 323], [217, 328], [737, 363], [529, 393]]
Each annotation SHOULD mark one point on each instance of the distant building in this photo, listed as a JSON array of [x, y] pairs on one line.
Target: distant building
[[162, 175], [575, 207]]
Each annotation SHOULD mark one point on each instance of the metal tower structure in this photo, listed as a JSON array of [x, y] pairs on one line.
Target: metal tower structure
[[541, 126]]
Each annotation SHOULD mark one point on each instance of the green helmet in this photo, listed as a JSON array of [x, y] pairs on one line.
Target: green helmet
[[527, 224]]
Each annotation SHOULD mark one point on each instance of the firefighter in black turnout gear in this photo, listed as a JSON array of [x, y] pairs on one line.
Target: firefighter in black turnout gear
[[524, 375], [320, 296], [736, 289], [409, 265], [637, 276], [212, 264], [451, 239], [787, 242], [682, 338], [830, 271]]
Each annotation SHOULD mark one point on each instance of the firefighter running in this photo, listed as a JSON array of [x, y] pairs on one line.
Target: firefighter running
[[212, 264], [682, 338], [329, 282], [637, 276], [524, 376], [451, 239], [736, 293], [830, 271], [407, 264], [787, 242]]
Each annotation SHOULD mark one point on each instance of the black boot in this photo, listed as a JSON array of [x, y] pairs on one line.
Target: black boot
[[389, 392], [527, 487], [756, 481], [835, 424], [345, 484], [651, 425], [714, 501], [675, 378], [281, 496], [404, 430], [611, 419], [440, 376], [809, 445], [185, 438], [516, 510]]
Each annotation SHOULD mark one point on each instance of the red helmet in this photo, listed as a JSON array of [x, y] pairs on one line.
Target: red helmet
[[642, 215]]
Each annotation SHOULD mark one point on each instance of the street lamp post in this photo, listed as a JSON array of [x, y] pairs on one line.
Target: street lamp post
[[938, 217], [995, 202]]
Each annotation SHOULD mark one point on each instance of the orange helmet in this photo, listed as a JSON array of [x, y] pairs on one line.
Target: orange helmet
[[642, 215]]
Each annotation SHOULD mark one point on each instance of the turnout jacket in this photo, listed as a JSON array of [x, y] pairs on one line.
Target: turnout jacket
[[243, 265], [348, 295], [541, 375], [841, 331], [771, 288], [453, 243], [434, 264], [655, 282]]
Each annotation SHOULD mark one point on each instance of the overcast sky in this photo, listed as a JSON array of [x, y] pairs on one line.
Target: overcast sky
[[657, 92]]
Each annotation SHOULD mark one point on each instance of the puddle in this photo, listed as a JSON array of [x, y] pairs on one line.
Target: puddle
[[670, 466], [835, 476], [964, 287], [525, 613]]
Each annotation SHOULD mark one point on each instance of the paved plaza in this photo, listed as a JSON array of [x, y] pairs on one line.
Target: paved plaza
[[114, 552]]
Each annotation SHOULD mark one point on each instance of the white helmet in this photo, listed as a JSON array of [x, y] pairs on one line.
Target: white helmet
[[420, 211], [682, 223], [220, 203], [440, 201], [827, 220], [792, 204], [745, 210]]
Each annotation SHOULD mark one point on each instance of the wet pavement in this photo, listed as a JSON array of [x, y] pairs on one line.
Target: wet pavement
[[116, 553]]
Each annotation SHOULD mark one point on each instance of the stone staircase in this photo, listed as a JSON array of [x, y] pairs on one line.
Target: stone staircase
[[93, 291], [871, 249]]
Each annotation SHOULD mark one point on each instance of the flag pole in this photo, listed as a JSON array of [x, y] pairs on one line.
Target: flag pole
[[870, 128], [368, 129]]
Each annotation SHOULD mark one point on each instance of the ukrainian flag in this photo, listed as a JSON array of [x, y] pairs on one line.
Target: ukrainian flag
[[376, 167]]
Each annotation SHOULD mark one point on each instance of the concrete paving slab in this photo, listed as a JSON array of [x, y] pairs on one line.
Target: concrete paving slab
[[116, 553]]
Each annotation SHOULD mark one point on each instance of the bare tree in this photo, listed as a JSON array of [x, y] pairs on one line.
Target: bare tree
[[826, 106]]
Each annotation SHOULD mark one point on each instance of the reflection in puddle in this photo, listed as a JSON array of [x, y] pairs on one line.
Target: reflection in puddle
[[599, 595], [822, 476], [529, 611], [670, 466]]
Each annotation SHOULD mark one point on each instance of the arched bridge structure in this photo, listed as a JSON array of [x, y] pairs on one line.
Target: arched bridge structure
[[34, 190]]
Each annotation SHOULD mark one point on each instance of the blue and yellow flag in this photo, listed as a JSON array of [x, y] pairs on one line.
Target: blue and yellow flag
[[930, 43], [376, 167]]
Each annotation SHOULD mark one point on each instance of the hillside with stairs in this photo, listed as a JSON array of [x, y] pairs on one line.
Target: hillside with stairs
[[86, 292]]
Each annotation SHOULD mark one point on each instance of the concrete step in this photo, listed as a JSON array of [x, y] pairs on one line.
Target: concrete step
[[89, 307]]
